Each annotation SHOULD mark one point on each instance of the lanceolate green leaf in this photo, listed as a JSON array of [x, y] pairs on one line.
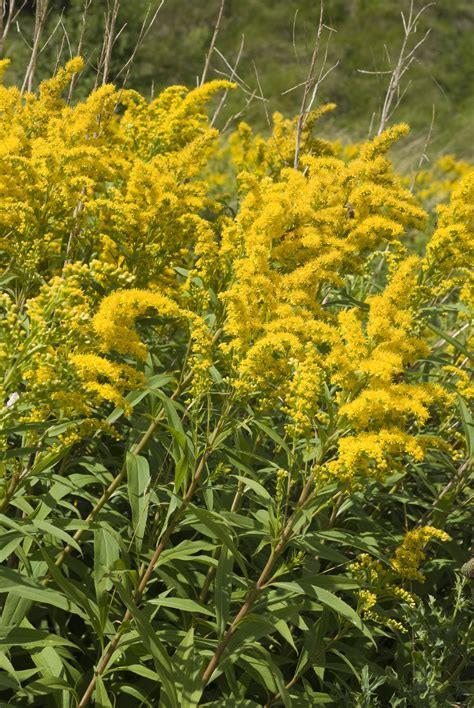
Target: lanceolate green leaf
[[20, 586], [138, 478]]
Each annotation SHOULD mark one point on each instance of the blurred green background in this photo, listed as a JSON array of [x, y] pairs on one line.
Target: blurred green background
[[278, 41]]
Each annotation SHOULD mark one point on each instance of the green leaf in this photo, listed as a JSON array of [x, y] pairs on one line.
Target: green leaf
[[451, 340], [138, 478], [267, 673], [182, 604], [25, 636], [326, 598], [102, 699], [341, 608], [21, 586], [187, 665], [149, 637], [56, 532], [256, 487], [273, 435], [219, 529], [106, 553], [223, 590], [468, 424]]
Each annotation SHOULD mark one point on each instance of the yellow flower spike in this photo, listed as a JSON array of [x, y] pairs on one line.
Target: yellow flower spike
[[4, 64], [450, 251], [383, 142], [104, 379], [52, 88], [115, 320], [367, 454], [410, 554]]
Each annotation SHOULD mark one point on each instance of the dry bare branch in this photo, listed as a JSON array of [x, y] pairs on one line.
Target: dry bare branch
[[212, 44], [145, 28], [232, 70], [8, 16], [41, 12], [424, 156], [313, 80], [394, 95], [237, 115], [231, 78], [80, 43], [264, 100], [103, 68]]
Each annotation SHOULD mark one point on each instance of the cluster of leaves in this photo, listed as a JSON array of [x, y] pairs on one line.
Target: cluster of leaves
[[232, 418]]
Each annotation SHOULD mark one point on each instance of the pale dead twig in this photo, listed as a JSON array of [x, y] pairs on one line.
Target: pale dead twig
[[58, 24], [145, 28], [247, 91], [212, 44], [231, 78], [265, 101], [313, 81], [237, 115], [307, 84], [59, 51], [103, 67], [7, 18], [80, 42], [41, 12], [293, 38], [243, 84], [407, 55], [372, 119], [424, 157], [65, 37]]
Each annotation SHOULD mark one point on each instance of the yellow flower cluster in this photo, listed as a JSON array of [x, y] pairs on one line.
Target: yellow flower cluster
[[450, 251], [378, 589], [410, 554], [368, 361], [76, 178], [463, 382], [96, 198], [380, 583], [115, 321], [297, 234], [104, 379], [435, 185], [261, 156], [124, 260]]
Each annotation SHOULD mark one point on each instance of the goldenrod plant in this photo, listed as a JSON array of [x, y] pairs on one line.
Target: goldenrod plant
[[235, 409]]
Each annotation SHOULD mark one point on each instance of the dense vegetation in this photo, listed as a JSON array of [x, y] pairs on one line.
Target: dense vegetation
[[236, 435]]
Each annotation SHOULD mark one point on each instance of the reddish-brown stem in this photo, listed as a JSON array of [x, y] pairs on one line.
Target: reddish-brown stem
[[216, 555], [265, 575]]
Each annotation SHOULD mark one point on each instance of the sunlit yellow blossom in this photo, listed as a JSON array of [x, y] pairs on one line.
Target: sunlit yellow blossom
[[410, 554], [368, 454], [450, 252], [105, 379], [115, 321]]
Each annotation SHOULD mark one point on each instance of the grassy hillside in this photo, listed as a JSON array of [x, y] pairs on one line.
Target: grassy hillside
[[278, 42]]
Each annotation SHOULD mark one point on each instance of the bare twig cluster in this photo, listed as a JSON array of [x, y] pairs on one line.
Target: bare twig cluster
[[41, 13], [314, 78], [407, 55], [9, 12]]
